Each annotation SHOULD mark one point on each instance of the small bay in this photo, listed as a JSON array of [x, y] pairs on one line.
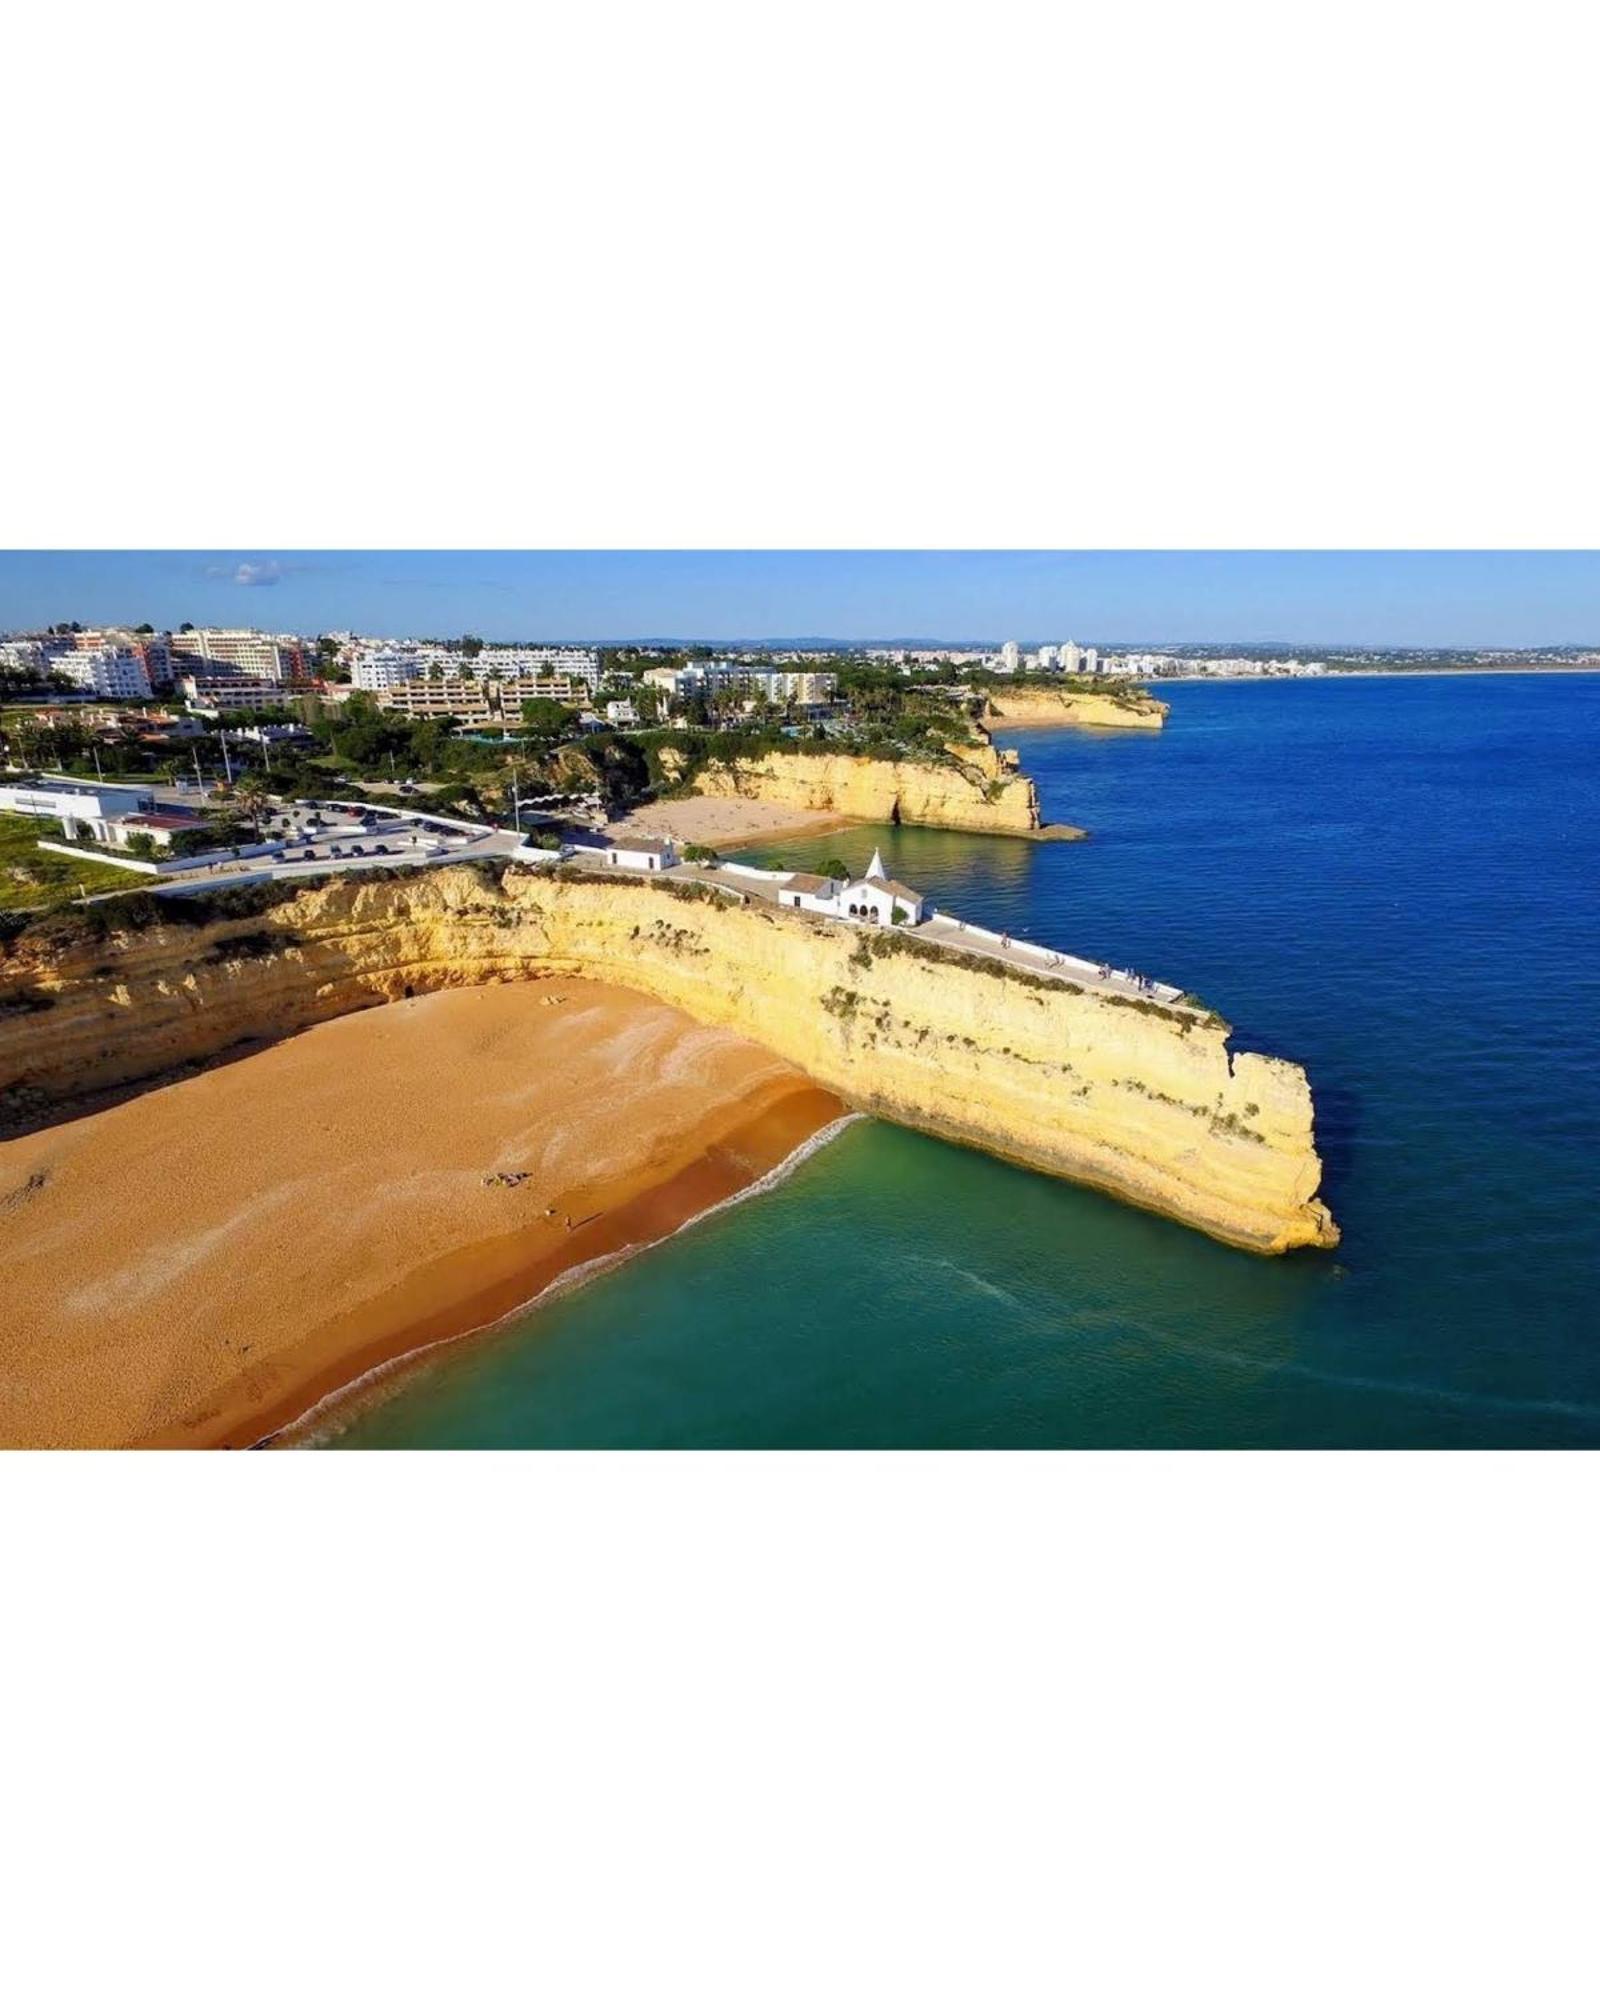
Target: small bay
[[1392, 881]]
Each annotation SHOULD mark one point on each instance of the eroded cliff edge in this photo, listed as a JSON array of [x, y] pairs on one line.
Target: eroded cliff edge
[[972, 788], [1035, 707], [1144, 1101]]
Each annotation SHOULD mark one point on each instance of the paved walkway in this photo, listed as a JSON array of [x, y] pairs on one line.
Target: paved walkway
[[1027, 956], [955, 935]]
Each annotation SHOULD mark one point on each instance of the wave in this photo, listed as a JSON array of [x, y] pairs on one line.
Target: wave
[[333, 1414]]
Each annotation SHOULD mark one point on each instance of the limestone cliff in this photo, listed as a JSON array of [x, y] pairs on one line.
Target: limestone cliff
[[1039, 707], [974, 789], [1144, 1101]]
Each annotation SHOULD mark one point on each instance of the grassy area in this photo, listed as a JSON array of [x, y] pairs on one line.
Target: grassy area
[[32, 879]]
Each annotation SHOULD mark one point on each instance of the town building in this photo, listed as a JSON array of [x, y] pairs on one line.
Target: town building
[[470, 698], [159, 828], [805, 687], [107, 671], [578, 663], [388, 666], [23, 657], [262, 656], [81, 805], [213, 694], [441, 697]]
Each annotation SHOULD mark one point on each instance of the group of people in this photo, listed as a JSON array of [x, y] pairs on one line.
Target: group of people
[[1135, 979]]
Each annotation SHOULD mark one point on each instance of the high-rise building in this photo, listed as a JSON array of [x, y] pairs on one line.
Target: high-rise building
[[1008, 657], [262, 656], [1091, 660], [105, 670], [1071, 657]]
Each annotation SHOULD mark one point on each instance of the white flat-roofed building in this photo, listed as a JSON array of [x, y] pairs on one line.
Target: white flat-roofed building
[[23, 656], [373, 672], [622, 713], [806, 686], [579, 663], [106, 670], [76, 802]]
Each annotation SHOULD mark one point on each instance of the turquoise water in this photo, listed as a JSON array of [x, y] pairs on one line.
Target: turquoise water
[[1392, 881]]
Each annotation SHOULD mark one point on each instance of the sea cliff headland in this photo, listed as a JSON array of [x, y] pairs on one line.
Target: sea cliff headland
[[970, 787], [1080, 708], [1143, 1099]]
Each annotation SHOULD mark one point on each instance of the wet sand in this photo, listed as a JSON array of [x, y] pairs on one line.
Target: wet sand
[[725, 822], [204, 1264]]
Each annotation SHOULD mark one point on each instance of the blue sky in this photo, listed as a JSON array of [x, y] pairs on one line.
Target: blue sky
[[1397, 598]]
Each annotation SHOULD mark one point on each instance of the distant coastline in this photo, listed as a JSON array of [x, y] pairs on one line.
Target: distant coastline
[[1369, 674]]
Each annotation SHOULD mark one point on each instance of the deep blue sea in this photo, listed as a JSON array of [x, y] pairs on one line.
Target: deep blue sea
[[1394, 882]]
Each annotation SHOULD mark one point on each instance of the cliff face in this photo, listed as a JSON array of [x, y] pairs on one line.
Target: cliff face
[[1058, 707], [1142, 1101], [980, 791]]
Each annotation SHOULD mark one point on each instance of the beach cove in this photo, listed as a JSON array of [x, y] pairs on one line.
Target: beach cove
[[209, 1261]]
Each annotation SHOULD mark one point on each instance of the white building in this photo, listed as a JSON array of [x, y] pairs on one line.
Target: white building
[[78, 803], [714, 677], [1071, 657], [105, 670], [1009, 656], [23, 656], [648, 857], [875, 899], [373, 672], [577, 663], [622, 713]]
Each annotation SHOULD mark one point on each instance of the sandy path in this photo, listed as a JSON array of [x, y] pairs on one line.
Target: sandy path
[[204, 1262]]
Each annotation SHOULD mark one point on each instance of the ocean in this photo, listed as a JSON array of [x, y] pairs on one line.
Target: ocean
[[1392, 881]]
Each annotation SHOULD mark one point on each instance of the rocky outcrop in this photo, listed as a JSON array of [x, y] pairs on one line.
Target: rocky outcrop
[[1056, 708], [975, 788], [1142, 1100]]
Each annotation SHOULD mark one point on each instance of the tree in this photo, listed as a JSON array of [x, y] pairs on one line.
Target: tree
[[835, 870], [548, 718], [471, 645], [141, 846]]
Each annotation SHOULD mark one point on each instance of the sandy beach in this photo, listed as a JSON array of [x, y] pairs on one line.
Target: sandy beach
[[203, 1264], [724, 822]]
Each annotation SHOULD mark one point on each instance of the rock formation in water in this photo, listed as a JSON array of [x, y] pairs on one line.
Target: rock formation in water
[[1126, 708], [1143, 1100]]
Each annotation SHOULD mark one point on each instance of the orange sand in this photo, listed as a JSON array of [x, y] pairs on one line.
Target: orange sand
[[724, 822], [202, 1264]]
